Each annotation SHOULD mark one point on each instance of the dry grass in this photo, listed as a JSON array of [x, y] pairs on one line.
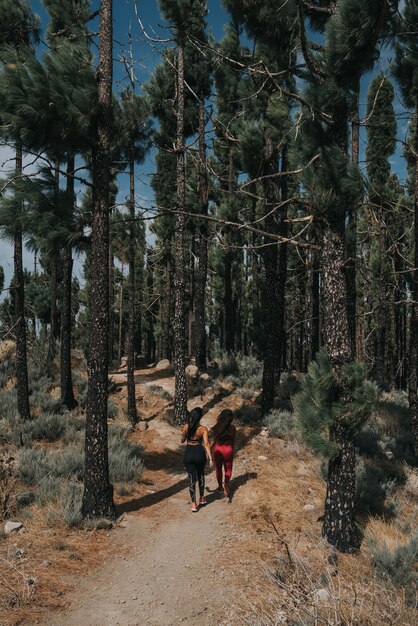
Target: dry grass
[[281, 560], [36, 567]]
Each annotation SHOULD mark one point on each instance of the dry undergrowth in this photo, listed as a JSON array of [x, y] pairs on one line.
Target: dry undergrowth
[[35, 566], [282, 562]]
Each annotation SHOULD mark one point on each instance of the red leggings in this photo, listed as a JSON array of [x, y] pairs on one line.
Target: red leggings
[[223, 456]]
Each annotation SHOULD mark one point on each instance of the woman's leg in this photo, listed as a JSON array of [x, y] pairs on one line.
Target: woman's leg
[[201, 478], [192, 476], [228, 462], [219, 460]]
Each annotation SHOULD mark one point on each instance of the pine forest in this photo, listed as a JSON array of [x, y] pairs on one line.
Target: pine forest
[[209, 208]]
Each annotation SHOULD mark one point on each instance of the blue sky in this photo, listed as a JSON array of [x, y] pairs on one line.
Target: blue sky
[[147, 56]]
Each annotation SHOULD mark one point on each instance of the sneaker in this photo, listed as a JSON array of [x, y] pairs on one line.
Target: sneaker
[[195, 508], [203, 502], [226, 490], [220, 489]]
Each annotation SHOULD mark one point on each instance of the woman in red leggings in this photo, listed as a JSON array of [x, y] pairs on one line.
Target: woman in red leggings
[[222, 443]]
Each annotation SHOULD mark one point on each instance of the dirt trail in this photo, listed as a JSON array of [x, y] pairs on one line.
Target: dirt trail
[[171, 568]]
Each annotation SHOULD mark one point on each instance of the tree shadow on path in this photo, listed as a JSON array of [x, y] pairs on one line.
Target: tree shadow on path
[[152, 498]]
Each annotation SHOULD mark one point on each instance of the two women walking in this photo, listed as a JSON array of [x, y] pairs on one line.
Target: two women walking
[[199, 450]]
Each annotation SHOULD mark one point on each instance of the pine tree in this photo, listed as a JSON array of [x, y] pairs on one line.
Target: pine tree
[[98, 493], [333, 184], [381, 130], [184, 15], [406, 73], [18, 29], [134, 142]]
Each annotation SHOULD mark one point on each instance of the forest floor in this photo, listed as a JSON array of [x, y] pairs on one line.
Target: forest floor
[[258, 560]]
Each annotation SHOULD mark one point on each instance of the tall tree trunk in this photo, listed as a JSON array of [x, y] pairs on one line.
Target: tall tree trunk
[[351, 238], [282, 270], [315, 310], [20, 324], [380, 367], [111, 304], [165, 316], [228, 286], [413, 341], [201, 273], [179, 328], [339, 525], [132, 414], [98, 492], [67, 394], [270, 298], [54, 265], [120, 338]]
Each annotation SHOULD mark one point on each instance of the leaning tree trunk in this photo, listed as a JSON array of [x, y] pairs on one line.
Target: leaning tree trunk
[[132, 414], [67, 394], [339, 526], [201, 273], [98, 492], [20, 325], [413, 341], [179, 328]]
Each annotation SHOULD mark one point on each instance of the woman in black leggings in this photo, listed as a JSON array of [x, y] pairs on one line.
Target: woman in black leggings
[[195, 455]]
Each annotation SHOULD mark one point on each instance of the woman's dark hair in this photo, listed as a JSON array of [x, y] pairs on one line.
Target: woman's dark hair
[[223, 422], [194, 417]]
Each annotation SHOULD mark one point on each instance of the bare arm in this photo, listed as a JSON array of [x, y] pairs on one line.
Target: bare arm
[[184, 433], [206, 445]]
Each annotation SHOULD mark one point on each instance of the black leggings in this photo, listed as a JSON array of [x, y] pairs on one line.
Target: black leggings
[[195, 461]]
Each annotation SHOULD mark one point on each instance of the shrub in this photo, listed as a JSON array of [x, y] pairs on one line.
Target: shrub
[[112, 409], [156, 390], [227, 365], [125, 457], [245, 393], [36, 464], [70, 502], [374, 484], [289, 385], [397, 565], [8, 405], [282, 424], [248, 414], [318, 406], [46, 427]]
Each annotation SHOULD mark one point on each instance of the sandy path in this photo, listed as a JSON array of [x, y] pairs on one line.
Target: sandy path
[[172, 572]]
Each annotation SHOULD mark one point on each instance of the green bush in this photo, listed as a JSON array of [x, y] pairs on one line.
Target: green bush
[[318, 406], [248, 414], [70, 500], [396, 565], [245, 392], [35, 464], [46, 427], [227, 365], [156, 390], [8, 406], [112, 409], [125, 457], [282, 424], [375, 483]]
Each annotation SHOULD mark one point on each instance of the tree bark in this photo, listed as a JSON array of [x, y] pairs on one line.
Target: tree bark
[[67, 393], [120, 339], [179, 328], [380, 367], [20, 324], [339, 525], [98, 492], [351, 239], [132, 414], [201, 273], [413, 336]]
